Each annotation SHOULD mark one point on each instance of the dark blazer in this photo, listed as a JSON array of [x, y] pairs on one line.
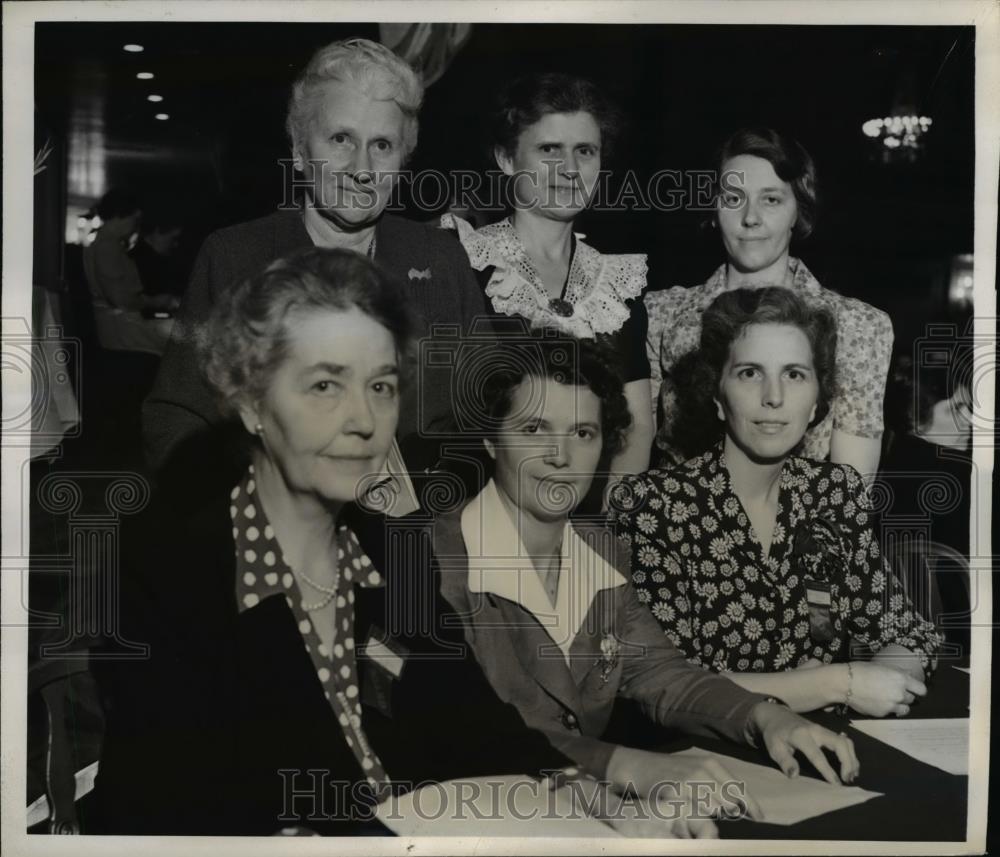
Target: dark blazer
[[572, 703], [198, 733], [430, 264]]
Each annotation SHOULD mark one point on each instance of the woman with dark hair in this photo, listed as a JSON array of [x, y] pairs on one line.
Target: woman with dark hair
[[547, 605], [297, 667], [766, 196], [551, 135], [757, 562]]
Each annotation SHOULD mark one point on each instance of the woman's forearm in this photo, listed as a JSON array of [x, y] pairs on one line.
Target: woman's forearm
[[801, 689]]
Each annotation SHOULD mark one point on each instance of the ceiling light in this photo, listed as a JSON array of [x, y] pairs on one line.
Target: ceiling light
[[145, 75], [133, 49], [163, 117], [154, 98]]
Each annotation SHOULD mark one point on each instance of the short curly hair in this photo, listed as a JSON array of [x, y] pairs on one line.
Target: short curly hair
[[245, 339], [698, 374], [526, 99], [547, 354], [791, 162], [372, 67]]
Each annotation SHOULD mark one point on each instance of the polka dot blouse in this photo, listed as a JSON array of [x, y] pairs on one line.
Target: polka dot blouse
[[263, 572]]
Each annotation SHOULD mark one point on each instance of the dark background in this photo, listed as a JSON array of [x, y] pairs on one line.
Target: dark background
[[886, 232]]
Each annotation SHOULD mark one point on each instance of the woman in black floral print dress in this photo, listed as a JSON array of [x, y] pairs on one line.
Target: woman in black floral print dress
[[758, 562]]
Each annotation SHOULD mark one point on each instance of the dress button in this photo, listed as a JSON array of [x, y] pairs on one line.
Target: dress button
[[569, 720]]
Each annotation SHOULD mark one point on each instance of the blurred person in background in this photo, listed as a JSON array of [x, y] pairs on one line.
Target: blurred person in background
[[156, 253], [124, 313]]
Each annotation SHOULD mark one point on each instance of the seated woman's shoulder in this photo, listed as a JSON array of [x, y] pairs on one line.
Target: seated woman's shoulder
[[663, 300], [860, 315], [836, 473], [258, 229], [655, 482], [428, 236]]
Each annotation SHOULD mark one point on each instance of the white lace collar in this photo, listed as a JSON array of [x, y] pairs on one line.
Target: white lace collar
[[597, 288]]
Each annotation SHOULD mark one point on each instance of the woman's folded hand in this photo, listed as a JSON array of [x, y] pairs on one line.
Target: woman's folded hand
[[879, 691]]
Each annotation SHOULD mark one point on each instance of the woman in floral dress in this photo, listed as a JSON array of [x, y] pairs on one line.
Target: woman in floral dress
[[765, 197], [758, 562], [551, 132], [548, 607]]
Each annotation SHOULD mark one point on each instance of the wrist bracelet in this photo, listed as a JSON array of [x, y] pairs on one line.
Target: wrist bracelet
[[845, 707]]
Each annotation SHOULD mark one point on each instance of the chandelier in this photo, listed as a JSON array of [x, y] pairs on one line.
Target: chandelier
[[901, 135]]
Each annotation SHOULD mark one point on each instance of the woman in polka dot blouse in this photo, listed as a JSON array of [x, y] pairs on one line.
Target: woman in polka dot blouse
[[297, 665]]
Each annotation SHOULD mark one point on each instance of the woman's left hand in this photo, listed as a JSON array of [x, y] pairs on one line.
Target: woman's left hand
[[785, 733]]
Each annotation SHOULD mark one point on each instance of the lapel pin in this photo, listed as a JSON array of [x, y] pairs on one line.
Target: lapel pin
[[609, 657], [414, 274]]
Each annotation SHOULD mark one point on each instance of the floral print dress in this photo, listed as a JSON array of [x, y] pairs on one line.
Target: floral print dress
[[699, 566]]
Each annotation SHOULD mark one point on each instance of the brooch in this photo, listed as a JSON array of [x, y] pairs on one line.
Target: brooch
[[561, 307], [609, 657], [414, 274]]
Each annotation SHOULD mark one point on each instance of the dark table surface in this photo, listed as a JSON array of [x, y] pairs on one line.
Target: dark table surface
[[919, 802]]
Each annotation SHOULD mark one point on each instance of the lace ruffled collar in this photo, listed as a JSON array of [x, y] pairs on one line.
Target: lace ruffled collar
[[597, 288]]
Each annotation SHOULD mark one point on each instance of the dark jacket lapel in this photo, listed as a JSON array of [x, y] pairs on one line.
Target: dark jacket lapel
[[540, 657], [289, 233]]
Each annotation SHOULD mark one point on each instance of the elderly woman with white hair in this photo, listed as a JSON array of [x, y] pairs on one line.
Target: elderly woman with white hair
[[352, 123]]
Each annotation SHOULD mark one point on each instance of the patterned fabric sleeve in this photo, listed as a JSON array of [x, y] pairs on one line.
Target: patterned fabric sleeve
[[659, 580], [864, 347], [659, 309], [874, 599]]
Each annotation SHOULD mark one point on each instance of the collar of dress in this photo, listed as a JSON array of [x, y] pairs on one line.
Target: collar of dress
[[802, 278], [500, 564], [598, 285]]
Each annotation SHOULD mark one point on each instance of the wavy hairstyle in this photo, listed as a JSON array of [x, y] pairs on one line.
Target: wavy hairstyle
[[791, 162], [698, 374], [526, 99], [246, 337], [547, 354], [373, 68]]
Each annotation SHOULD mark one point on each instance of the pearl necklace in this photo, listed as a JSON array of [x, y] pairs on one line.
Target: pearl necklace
[[329, 592]]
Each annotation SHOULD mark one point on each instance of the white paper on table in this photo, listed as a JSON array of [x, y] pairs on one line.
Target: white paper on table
[[785, 800], [490, 806], [943, 743]]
